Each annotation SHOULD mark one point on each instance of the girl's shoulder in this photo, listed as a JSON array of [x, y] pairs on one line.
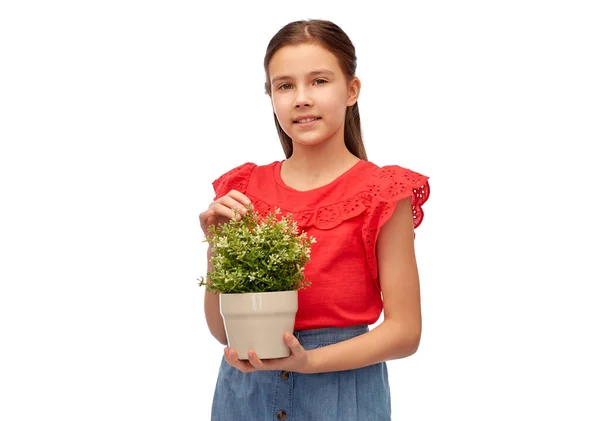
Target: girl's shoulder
[[238, 177], [383, 186], [390, 183], [393, 182]]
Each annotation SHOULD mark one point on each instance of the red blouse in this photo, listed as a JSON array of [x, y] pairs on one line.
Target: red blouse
[[345, 217]]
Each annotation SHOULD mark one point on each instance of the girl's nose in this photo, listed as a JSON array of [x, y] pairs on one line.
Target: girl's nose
[[302, 99]]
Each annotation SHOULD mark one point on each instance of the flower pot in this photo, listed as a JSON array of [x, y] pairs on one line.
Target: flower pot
[[258, 321]]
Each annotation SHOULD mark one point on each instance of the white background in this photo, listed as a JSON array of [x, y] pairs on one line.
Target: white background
[[116, 116]]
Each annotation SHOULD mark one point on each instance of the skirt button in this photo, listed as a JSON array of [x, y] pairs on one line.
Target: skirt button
[[285, 375], [281, 415]]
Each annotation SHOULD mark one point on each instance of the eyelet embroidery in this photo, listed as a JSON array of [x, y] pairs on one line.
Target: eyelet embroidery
[[390, 184], [234, 179], [325, 217], [262, 208], [328, 217], [420, 196], [304, 218]]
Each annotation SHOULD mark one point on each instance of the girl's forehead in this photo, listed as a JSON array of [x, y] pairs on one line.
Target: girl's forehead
[[297, 60]]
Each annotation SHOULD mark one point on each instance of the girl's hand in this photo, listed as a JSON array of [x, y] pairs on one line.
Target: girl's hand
[[298, 361], [221, 210]]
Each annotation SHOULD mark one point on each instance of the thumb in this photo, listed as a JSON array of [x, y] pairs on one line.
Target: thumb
[[292, 342]]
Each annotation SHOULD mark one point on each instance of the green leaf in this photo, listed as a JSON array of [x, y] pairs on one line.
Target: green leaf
[[258, 254]]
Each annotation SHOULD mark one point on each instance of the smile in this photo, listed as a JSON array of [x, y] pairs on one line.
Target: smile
[[307, 120]]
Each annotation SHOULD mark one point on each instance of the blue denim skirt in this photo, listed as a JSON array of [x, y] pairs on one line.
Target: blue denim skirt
[[353, 395]]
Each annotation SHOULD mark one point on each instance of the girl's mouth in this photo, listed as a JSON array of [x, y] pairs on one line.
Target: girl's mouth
[[306, 121]]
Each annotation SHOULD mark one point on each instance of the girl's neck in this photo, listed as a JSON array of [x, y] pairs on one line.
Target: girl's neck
[[313, 165]]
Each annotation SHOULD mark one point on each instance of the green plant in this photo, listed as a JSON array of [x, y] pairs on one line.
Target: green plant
[[257, 254]]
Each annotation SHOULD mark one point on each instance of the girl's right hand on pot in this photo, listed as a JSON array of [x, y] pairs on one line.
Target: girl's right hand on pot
[[221, 210]]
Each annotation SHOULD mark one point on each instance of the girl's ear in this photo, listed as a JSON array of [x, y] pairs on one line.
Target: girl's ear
[[353, 91]]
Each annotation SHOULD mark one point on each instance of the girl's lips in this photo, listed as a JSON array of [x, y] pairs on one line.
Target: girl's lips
[[308, 123]]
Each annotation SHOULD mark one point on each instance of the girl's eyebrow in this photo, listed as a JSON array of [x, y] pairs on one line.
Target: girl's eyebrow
[[313, 73]]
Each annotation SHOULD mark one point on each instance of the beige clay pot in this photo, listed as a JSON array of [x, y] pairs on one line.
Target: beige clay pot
[[258, 321]]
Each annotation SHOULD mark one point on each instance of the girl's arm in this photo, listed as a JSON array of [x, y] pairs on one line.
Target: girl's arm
[[398, 336], [212, 309]]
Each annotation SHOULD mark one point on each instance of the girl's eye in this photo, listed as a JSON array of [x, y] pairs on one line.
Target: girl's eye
[[287, 86]]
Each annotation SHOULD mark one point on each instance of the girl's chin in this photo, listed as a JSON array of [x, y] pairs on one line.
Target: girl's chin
[[308, 138]]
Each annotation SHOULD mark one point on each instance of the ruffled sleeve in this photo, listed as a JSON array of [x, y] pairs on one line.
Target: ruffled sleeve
[[388, 185], [236, 178]]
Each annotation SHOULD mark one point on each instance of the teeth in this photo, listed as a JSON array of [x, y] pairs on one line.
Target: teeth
[[306, 120]]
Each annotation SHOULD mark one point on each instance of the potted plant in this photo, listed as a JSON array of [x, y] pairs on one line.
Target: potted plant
[[258, 268]]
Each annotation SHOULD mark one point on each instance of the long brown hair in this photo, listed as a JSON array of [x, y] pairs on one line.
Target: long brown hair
[[331, 37]]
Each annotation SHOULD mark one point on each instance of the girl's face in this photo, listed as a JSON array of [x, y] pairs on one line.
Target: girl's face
[[307, 81]]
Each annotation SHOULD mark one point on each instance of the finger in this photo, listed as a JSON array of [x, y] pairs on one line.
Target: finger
[[255, 361], [230, 203], [225, 209], [205, 216], [292, 342], [226, 354], [243, 366], [240, 197]]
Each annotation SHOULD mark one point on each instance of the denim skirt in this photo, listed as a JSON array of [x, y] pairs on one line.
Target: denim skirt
[[353, 395]]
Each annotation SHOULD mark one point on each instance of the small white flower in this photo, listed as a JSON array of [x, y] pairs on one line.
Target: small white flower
[[222, 242]]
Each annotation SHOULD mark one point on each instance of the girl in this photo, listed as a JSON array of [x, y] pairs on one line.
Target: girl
[[363, 217]]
